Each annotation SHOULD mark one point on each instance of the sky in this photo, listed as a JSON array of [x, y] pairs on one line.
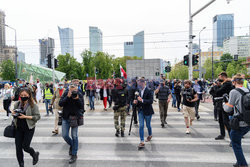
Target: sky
[[165, 23]]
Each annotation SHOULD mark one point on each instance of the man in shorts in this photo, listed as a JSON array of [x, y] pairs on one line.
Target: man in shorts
[[188, 104]]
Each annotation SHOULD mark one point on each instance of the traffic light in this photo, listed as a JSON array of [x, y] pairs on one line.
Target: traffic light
[[195, 59], [49, 61], [56, 63], [167, 69], [186, 60]]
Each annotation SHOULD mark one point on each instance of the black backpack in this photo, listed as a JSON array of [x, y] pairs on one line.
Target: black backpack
[[121, 95], [245, 103]]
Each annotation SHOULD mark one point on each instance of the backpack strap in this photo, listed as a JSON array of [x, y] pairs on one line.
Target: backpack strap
[[242, 92]]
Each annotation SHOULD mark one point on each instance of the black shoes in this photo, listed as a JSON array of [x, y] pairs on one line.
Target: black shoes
[[162, 125], [122, 134], [165, 122], [117, 133], [198, 117], [73, 159], [21, 165], [220, 137], [135, 123], [70, 150], [35, 158], [230, 145]]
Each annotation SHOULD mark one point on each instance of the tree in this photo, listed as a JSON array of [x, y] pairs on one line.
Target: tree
[[7, 70], [70, 66]]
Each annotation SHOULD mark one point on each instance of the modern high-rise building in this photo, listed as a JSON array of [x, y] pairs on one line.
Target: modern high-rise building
[[66, 40], [238, 45], [2, 31], [139, 44], [20, 57], [223, 28], [47, 47], [95, 40], [129, 49]]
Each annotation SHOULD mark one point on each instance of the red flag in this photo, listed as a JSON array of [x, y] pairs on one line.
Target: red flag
[[123, 73]]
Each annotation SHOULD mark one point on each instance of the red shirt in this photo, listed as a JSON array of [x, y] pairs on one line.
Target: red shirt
[[60, 92]]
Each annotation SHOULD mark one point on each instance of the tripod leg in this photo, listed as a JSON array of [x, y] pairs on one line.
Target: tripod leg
[[131, 122]]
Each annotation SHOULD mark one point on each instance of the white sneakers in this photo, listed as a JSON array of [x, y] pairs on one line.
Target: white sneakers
[[187, 131], [5, 118]]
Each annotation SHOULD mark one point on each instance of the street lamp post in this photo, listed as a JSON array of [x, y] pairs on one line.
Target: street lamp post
[[200, 72], [191, 34], [15, 47]]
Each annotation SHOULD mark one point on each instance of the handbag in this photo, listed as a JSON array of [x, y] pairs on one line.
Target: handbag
[[10, 130], [73, 121], [80, 121]]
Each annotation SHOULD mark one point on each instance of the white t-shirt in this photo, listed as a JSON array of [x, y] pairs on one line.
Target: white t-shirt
[[105, 92]]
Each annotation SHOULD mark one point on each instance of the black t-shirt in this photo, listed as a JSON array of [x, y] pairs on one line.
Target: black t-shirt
[[190, 92], [22, 123]]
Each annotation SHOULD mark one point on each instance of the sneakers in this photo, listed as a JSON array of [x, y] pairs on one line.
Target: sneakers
[[35, 158], [5, 118], [162, 125], [122, 134], [21, 165], [73, 159], [117, 133], [149, 138], [141, 145], [165, 122], [198, 117], [220, 137], [55, 132], [187, 131]]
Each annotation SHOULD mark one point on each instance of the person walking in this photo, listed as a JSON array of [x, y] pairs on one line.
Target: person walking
[[25, 126], [48, 94], [164, 96], [55, 102], [104, 93], [188, 104], [145, 111], [73, 108], [199, 90], [7, 94], [177, 90], [34, 92]]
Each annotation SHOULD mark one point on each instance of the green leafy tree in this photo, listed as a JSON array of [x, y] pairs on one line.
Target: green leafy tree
[[70, 66], [7, 70], [231, 70]]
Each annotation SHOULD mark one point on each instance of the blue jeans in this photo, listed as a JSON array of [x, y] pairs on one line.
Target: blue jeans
[[143, 117], [174, 100], [47, 103], [236, 136], [74, 134], [91, 102]]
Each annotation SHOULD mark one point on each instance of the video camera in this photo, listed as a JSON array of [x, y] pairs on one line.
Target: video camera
[[60, 113], [224, 98], [189, 94], [74, 94], [18, 113]]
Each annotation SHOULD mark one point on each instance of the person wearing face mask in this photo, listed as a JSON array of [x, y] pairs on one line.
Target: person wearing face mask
[[21, 84], [25, 123], [73, 109], [47, 96], [55, 102], [39, 91], [177, 90]]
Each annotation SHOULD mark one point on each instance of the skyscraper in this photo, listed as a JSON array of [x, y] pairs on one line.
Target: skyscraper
[[46, 47], [66, 40], [95, 39], [139, 44], [129, 49], [2, 31], [223, 26]]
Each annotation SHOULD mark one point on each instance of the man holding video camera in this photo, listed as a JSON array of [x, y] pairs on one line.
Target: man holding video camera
[[238, 103], [73, 109], [119, 97], [225, 88]]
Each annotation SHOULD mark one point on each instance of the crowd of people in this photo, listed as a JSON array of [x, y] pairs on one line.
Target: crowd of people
[[66, 100]]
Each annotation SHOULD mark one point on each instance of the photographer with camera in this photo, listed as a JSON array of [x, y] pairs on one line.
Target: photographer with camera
[[73, 110], [55, 102], [145, 111], [26, 114], [119, 97], [131, 98], [226, 87], [189, 99], [164, 96], [215, 87], [238, 103]]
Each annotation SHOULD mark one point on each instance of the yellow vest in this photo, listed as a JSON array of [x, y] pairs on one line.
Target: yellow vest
[[48, 94], [245, 84]]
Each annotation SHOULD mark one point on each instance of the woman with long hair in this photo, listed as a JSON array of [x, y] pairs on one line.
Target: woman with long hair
[[25, 122]]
